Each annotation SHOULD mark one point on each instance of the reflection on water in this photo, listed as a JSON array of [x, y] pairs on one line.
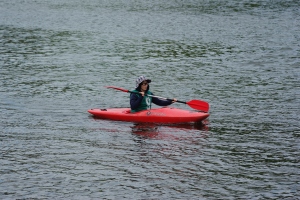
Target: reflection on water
[[153, 130], [166, 131]]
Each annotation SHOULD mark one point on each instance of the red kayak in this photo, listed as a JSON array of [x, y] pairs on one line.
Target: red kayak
[[158, 115]]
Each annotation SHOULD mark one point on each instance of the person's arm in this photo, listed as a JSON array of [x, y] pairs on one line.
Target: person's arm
[[135, 101], [161, 102]]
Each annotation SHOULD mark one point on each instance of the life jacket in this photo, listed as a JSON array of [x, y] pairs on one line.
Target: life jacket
[[146, 102]]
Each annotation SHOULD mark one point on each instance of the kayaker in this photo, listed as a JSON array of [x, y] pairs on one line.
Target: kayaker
[[140, 101]]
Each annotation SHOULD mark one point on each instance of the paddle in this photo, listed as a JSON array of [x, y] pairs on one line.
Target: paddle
[[195, 104]]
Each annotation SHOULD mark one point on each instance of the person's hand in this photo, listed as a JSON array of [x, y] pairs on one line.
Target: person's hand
[[174, 100], [142, 93]]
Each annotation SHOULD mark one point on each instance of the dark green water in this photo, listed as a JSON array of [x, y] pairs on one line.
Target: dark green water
[[56, 57]]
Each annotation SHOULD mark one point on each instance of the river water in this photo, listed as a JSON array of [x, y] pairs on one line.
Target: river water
[[242, 56]]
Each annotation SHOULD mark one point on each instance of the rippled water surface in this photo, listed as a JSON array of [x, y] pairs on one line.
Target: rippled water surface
[[242, 56]]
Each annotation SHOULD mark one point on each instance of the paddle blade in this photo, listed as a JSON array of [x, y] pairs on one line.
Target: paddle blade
[[198, 105], [116, 88]]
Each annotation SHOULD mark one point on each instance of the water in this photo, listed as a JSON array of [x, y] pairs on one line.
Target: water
[[56, 57]]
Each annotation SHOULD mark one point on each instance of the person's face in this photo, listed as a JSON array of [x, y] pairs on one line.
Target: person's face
[[144, 85]]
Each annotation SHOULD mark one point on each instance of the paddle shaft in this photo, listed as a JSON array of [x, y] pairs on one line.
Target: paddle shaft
[[150, 95], [178, 101], [164, 98]]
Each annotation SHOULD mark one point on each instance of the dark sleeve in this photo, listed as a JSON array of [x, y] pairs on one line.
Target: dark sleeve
[[161, 102], [135, 101]]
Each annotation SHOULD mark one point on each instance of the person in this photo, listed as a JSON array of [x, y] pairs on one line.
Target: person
[[140, 101]]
